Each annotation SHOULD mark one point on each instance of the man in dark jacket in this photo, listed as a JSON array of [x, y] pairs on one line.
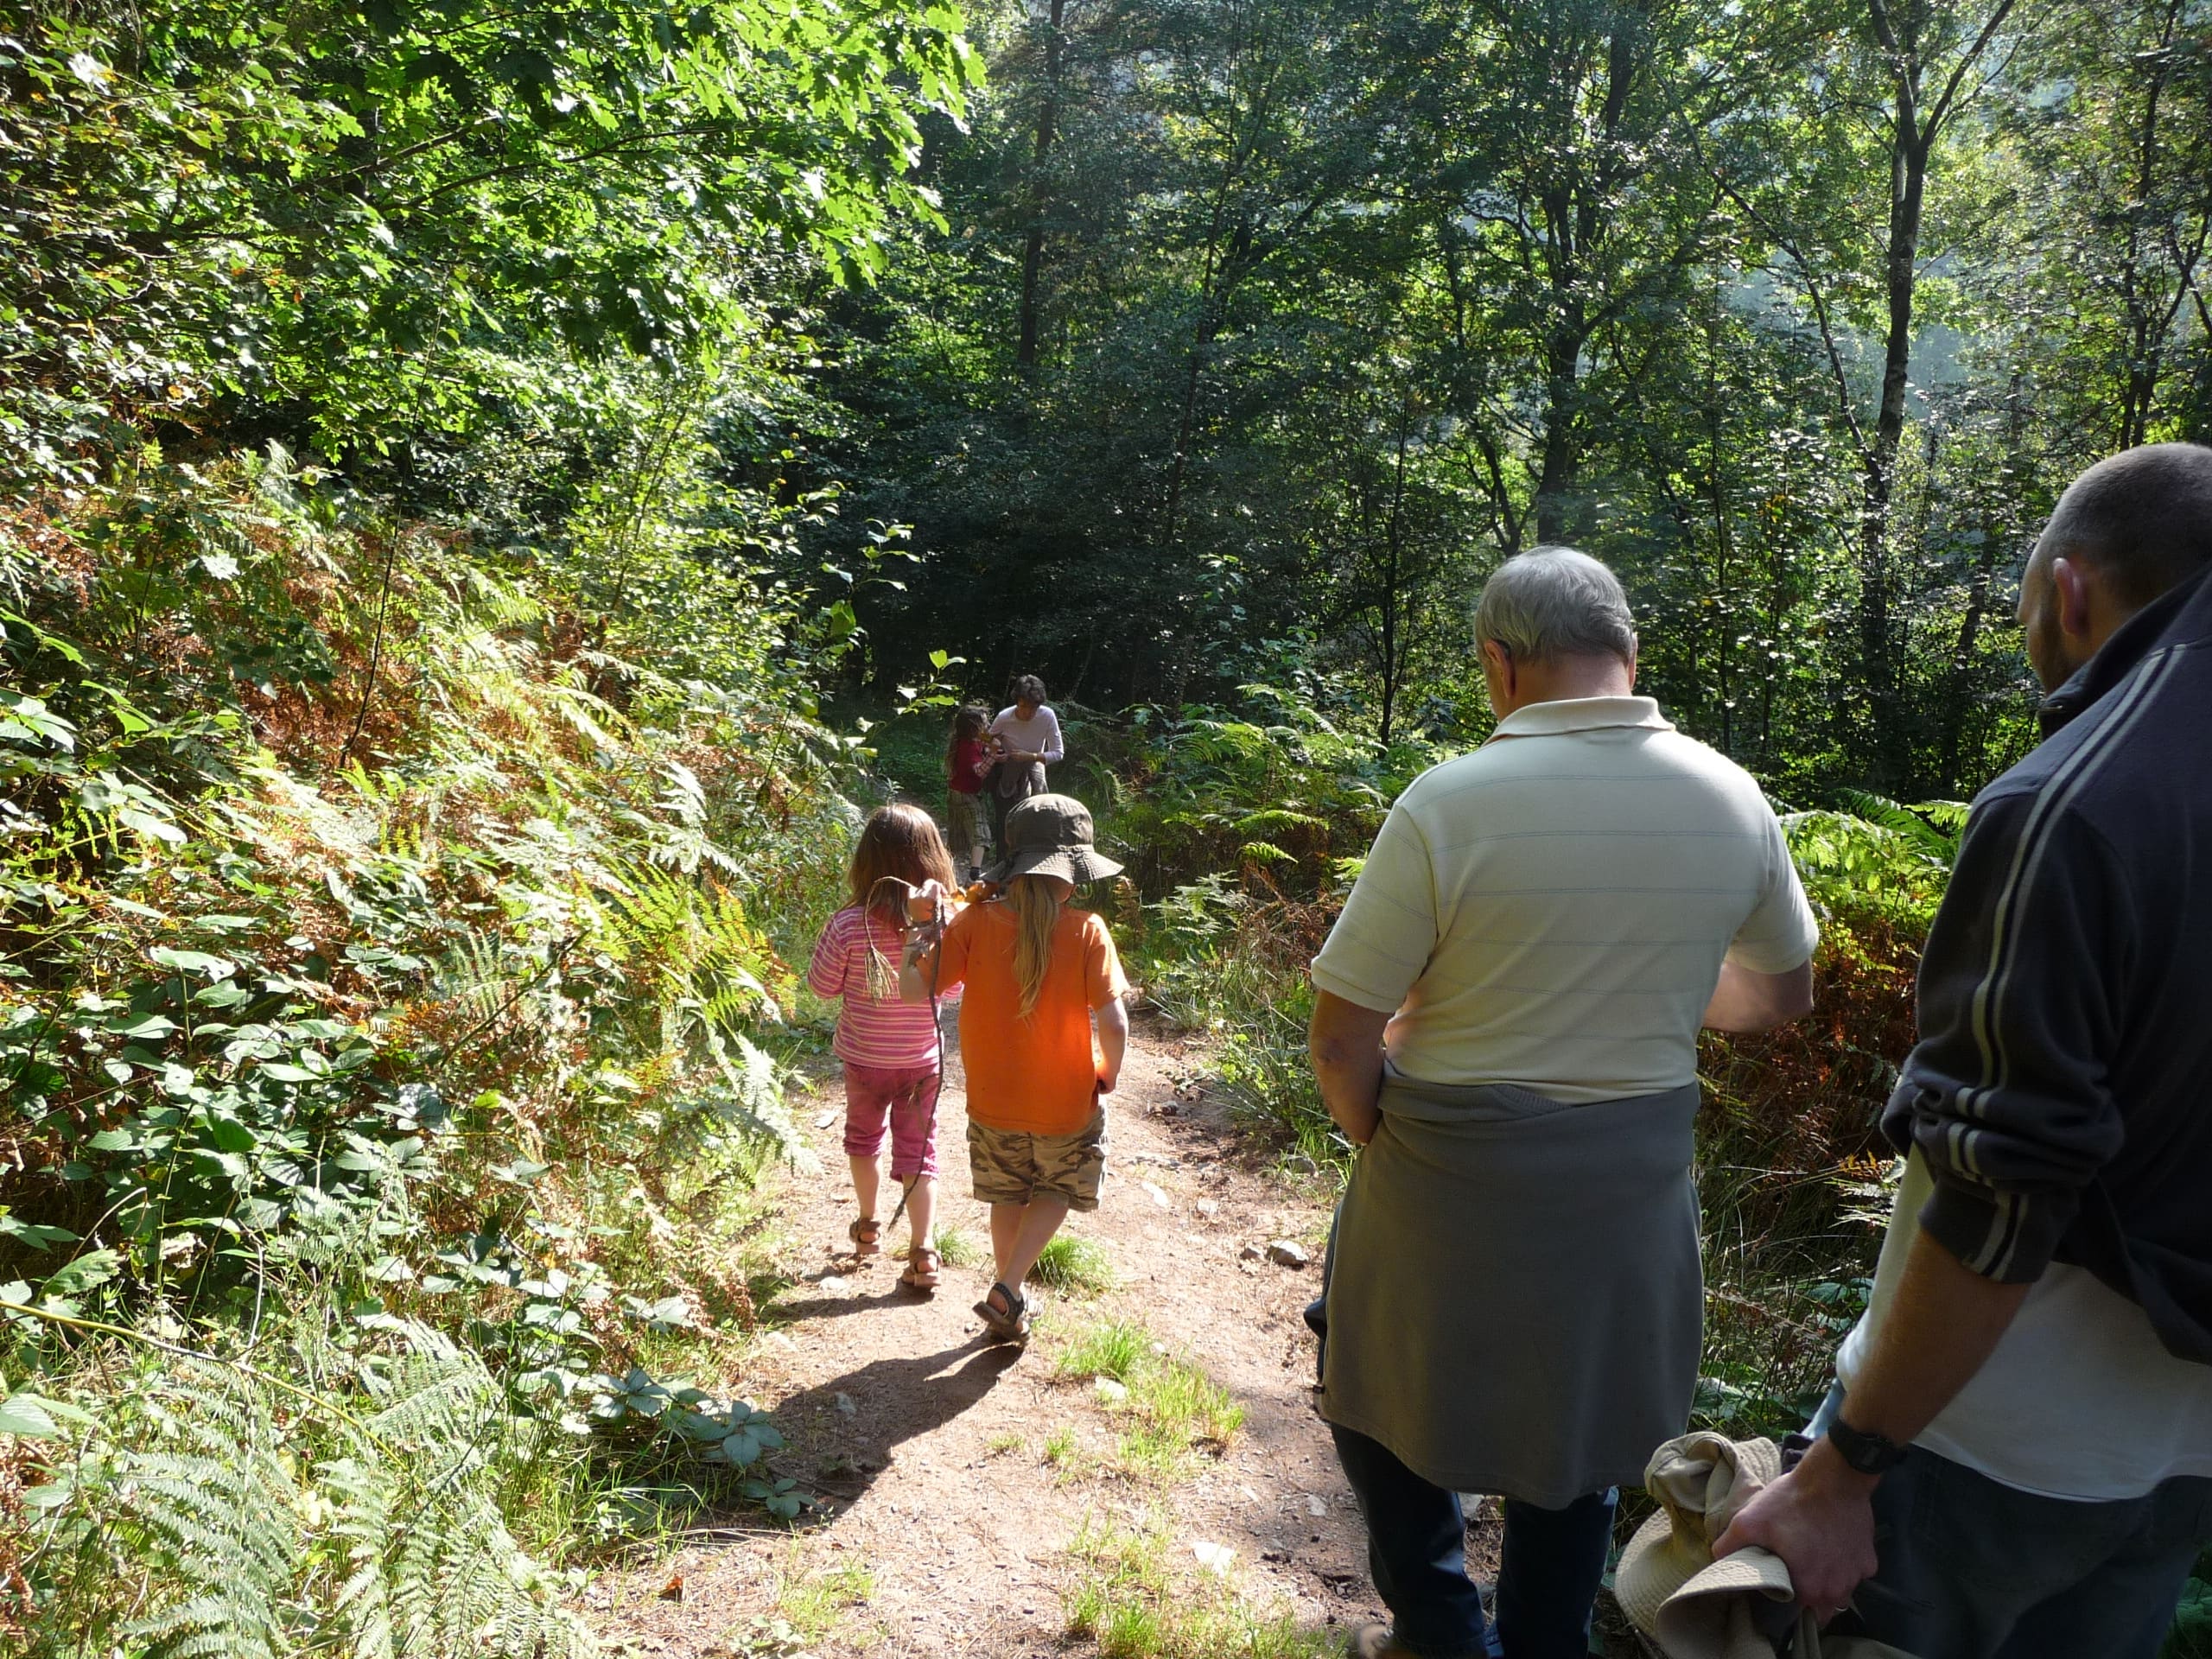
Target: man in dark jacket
[[2021, 1454]]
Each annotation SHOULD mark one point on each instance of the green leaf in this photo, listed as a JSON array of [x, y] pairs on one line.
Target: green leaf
[[28, 1416], [32, 1235], [88, 1272], [197, 964]]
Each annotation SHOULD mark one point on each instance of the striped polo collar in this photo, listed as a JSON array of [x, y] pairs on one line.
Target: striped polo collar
[[1567, 714]]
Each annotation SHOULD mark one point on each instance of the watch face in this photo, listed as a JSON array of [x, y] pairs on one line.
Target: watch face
[[1870, 1454]]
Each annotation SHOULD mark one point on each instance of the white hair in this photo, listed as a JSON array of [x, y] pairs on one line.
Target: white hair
[[1554, 601]]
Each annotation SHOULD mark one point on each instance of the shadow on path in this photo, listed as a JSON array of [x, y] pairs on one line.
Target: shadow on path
[[891, 1401]]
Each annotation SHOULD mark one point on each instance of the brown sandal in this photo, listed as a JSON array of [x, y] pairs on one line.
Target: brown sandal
[[864, 1233], [922, 1265]]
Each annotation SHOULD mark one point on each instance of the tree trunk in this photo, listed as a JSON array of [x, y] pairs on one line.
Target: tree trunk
[[1394, 541], [1912, 141], [1562, 435], [1908, 187], [1723, 544], [1033, 255]]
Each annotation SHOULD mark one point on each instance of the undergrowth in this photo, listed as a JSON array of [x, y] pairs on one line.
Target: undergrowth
[[391, 953]]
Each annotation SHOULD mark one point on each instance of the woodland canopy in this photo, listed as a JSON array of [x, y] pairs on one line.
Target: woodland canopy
[[489, 491]]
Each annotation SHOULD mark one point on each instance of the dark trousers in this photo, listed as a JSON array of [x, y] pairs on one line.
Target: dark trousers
[[1548, 1575], [1971, 1569]]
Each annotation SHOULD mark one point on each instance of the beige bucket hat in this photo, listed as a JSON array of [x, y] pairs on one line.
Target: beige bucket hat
[[1693, 1607]]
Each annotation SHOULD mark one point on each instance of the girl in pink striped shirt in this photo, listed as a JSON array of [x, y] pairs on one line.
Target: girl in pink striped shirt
[[891, 1049]]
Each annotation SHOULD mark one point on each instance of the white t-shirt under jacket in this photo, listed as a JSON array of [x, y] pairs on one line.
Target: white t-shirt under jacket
[[2080, 1400], [1552, 910]]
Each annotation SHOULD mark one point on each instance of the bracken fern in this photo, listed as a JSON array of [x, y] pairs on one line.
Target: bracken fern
[[212, 1519]]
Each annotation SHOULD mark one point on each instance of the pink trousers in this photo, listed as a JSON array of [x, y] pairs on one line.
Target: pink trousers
[[905, 1095]]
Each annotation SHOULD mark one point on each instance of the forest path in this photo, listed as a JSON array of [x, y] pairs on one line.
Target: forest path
[[925, 1448]]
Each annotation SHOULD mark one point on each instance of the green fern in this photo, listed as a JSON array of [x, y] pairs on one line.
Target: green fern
[[200, 1533]]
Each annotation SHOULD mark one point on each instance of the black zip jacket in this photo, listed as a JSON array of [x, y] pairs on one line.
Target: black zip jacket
[[2062, 1088]]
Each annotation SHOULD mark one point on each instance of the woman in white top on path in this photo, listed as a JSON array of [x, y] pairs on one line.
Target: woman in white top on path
[[1028, 736]]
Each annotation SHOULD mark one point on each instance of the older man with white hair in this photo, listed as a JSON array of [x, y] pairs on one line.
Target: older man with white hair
[[1505, 1021]]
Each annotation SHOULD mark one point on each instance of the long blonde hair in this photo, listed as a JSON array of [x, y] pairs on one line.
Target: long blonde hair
[[1036, 915]]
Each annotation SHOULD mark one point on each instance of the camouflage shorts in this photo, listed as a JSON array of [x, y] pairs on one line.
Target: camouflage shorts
[[1011, 1167]]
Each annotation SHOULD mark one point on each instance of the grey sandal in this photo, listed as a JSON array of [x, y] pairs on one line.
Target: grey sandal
[[1009, 1323]]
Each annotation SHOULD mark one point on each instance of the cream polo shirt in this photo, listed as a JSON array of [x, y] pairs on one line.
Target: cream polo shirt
[[1552, 910]]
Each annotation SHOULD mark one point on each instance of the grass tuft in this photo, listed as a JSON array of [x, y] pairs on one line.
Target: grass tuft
[[1175, 1416], [959, 1250], [1130, 1600], [1114, 1351], [811, 1604], [1071, 1263]]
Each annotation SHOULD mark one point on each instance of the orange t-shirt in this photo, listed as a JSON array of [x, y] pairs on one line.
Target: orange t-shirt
[[1039, 1075]]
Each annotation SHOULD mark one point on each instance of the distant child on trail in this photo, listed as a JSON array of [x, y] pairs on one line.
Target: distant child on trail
[[966, 758], [890, 1048], [1035, 971]]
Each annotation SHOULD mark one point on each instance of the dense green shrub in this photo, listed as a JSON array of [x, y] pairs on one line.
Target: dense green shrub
[[379, 998]]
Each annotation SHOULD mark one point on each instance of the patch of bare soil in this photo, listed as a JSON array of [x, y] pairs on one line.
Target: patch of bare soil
[[923, 1447]]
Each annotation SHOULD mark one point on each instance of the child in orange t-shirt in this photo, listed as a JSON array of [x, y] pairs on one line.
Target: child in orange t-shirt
[[1035, 971]]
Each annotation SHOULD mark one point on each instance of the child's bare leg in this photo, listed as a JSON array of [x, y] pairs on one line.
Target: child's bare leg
[[1028, 1228], [921, 1208], [1006, 1227], [867, 1180]]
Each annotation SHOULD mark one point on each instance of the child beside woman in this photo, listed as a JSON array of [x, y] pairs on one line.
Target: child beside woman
[[967, 762], [891, 1049], [1034, 971]]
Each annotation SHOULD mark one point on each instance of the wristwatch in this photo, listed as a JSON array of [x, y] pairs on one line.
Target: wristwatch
[[1869, 1453]]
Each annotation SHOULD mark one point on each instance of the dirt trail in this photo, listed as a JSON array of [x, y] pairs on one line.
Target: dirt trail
[[924, 1447]]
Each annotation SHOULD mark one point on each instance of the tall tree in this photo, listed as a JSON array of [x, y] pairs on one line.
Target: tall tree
[[1934, 57]]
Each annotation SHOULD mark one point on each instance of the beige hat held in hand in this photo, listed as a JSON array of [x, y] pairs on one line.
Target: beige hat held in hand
[[1692, 1606]]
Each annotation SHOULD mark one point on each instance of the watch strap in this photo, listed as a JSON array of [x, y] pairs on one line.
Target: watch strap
[[1865, 1450]]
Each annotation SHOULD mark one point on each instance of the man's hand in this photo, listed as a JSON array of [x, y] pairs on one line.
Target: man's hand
[[1820, 1519]]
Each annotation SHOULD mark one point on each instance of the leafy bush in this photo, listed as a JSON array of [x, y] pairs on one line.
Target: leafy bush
[[1275, 804], [420, 972]]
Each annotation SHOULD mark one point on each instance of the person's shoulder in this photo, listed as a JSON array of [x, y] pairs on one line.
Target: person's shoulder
[[1449, 777], [1679, 749], [1006, 712], [1088, 923]]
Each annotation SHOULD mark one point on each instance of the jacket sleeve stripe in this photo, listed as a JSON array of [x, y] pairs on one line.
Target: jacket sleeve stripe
[[2027, 857]]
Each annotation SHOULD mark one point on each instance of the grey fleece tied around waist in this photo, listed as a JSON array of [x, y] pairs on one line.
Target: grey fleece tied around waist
[[1515, 1295]]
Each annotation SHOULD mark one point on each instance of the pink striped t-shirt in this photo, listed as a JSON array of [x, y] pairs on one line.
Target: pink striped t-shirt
[[871, 1030]]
